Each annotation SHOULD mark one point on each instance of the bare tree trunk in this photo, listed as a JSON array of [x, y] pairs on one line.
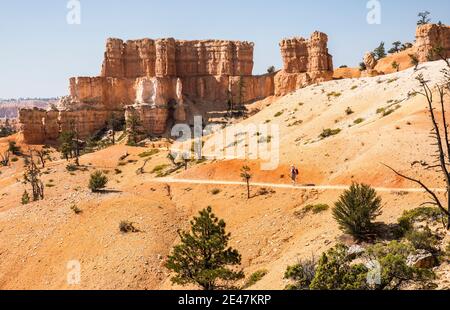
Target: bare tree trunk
[[448, 215], [442, 144], [248, 189]]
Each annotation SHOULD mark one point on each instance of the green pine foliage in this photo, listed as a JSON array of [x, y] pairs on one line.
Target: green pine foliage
[[335, 272], [203, 256], [25, 198], [383, 267], [97, 181], [356, 209]]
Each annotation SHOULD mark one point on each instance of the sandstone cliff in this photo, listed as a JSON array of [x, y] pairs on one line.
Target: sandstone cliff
[[169, 57], [429, 37], [304, 62], [159, 81]]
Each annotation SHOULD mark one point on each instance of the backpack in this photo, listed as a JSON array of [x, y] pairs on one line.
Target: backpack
[[296, 171]]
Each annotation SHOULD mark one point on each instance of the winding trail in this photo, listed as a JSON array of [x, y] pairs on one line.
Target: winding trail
[[289, 186]]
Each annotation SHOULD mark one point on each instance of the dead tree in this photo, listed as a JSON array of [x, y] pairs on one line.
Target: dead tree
[[246, 177], [42, 155], [141, 169], [441, 136], [32, 175]]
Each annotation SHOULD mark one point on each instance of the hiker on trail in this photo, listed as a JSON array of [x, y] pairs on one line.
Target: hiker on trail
[[294, 175]]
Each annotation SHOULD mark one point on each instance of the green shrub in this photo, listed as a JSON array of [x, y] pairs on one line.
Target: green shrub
[[316, 208], [14, 159], [263, 191], [358, 121], [149, 153], [356, 209], [25, 198], [388, 112], [71, 168], [278, 114], [335, 272], [301, 274], [75, 209], [267, 139], [254, 278], [334, 94], [13, 148], [215, 191], [423, 239], [123, 157], [127, 227], [329, 132], [394, 269], [97, 181], [159, 168], [427, 214], [392, 80]]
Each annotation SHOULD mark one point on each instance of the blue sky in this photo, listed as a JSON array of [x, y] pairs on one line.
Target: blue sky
[[40, 51]]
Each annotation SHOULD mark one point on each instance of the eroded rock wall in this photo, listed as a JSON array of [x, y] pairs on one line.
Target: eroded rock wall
[[301, 55], [305, 62], [32, 125], [101, 93], [40, 126], [170, 58], [250, 88], [429, 37], [159, 80], [152, 119]]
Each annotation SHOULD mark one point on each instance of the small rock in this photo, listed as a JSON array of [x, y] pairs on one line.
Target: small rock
[[422, 259]]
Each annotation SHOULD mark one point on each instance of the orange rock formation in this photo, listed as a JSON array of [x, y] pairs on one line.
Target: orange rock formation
[[161, 80]]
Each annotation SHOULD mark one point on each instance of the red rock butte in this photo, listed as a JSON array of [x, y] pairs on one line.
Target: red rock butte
[[167, 81]]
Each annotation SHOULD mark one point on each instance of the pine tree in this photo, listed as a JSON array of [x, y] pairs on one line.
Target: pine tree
[[356, 209], [380, 51], [424, 19], [32, 175], [13, 148], [203, 255], [396, 66], [246, 176], [271, 70], [25, 198], [414, 61], [396, 47], [97, 181], [133, 123], [67, 144]]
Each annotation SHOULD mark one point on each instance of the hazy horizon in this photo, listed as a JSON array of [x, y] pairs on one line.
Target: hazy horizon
[[41, 51]]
